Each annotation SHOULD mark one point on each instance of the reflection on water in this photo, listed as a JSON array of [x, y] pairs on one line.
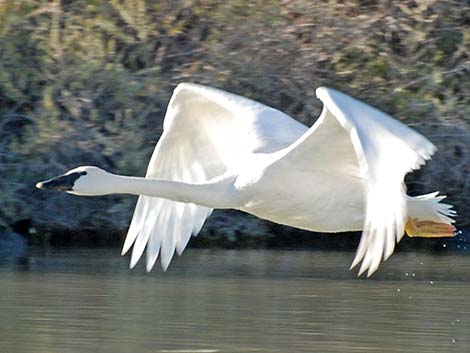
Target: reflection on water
[[234, 301]]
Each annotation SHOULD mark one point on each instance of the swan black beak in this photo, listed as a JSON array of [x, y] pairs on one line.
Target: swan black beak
[[61, 183]]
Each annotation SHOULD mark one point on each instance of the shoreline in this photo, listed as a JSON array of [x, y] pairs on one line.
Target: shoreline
[[283, 239]]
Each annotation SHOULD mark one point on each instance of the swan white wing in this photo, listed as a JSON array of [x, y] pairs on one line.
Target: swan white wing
[[352, 138], [206, 133]]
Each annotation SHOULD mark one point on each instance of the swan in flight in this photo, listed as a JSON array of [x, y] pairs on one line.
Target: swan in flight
[[220, 150]]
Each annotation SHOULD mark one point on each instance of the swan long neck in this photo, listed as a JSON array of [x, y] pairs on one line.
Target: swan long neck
[[213, 194]]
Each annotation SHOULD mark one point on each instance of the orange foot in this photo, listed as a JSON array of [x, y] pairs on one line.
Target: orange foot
[[429, 229]]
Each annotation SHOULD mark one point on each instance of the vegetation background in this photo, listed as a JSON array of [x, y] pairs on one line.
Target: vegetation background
[[87, 82]]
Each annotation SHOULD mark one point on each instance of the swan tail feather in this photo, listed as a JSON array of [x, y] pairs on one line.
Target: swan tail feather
[[428, 217]]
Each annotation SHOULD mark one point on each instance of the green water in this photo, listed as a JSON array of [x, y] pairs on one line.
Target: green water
[[234, 301]]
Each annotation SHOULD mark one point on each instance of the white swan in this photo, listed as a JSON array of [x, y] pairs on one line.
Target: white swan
[[220, 150]]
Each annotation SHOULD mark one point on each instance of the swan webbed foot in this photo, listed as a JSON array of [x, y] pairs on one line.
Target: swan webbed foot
[[429, 229]]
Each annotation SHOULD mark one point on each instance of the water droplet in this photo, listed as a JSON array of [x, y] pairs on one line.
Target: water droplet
[[444, 245], [413, 274], [431, 282], [453, 340], [452, 323], [406, 274], [398, 289], [420, 263], [457, 320], [410, 297]]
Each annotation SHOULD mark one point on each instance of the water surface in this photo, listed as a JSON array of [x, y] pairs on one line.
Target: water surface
[[234, 301]]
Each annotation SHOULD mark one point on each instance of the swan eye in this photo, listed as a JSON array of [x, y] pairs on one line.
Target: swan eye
[[61, 183]]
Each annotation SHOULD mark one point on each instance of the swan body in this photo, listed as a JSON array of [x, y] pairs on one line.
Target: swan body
[[220, 150]]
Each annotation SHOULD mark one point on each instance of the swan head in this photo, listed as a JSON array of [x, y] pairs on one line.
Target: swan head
[[85, 180]]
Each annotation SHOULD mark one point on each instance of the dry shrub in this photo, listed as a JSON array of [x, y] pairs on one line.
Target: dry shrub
[[87, 82]]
